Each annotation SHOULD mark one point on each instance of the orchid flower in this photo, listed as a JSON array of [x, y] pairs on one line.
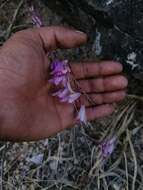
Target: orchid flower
[[107, 147], [61, 93], [60, 68], [59, 72], [65, 96]]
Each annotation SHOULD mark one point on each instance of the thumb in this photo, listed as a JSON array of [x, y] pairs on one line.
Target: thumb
[[50, 38], [61, 37]]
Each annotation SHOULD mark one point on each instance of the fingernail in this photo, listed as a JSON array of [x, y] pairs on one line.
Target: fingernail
[[78, 31]]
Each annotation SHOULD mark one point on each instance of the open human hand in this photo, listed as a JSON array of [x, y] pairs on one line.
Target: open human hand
[[27, 109]]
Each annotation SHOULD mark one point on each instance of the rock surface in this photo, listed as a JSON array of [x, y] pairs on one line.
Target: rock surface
[[114, 26]]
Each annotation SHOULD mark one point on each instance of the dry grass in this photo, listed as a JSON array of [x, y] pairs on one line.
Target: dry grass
[[72, 159]]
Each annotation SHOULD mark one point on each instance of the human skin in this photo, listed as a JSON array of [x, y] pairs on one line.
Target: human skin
[[27, 109]]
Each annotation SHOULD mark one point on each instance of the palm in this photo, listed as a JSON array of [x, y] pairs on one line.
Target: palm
[[32, 113], [41, 113]]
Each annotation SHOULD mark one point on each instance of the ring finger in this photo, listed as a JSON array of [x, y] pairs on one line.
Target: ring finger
[[108, 84], [105, 98]]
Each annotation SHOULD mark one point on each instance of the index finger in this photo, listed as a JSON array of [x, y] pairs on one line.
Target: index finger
[[94, 69]]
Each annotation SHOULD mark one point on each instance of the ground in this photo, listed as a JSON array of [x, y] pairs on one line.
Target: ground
[[72, 159]]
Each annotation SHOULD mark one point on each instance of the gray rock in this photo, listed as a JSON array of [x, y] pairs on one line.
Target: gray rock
[[115, 28]]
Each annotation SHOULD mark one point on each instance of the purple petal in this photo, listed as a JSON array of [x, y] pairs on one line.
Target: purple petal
[[69, 87], [59, 68], [61, 93], [58, 80], [53, 81], [107, 147], [56, 93], [59, 72], [70, 98], [64, 99], [82, 115], [73, 97]]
